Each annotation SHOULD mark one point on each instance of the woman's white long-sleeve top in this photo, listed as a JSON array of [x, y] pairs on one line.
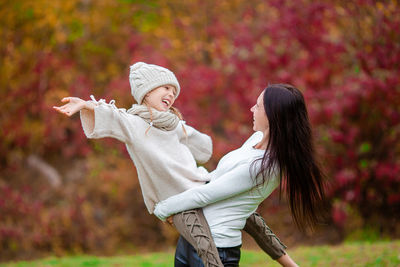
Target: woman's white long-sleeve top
[[165, 160], [230, 197]]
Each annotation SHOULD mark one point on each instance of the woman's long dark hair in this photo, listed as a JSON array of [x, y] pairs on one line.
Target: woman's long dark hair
[[290, 151]]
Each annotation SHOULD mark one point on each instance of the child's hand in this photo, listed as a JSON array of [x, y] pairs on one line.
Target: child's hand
[[74, 104], [170, 220]]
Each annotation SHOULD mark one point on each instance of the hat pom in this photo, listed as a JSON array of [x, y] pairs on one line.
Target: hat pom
[[137, 65]]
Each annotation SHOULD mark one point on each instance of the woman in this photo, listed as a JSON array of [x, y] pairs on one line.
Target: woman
[[279, 153]]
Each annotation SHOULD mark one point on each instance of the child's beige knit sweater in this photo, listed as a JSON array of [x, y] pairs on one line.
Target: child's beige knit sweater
[[165, 160]]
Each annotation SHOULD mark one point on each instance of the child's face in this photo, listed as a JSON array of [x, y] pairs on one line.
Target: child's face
[[161, 98]]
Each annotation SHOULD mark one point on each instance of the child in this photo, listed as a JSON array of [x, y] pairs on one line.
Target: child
[[165, 152]]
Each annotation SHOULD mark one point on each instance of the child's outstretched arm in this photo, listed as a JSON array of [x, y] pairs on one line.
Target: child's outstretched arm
[[73, 105], [100, 119]]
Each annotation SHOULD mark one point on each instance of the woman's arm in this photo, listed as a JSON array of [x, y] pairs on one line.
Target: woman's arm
[[232, 183]]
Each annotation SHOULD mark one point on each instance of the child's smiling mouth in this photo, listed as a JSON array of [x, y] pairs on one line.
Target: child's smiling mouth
[[166, 102]]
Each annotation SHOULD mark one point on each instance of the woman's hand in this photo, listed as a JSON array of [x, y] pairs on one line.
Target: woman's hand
[[73, 105]]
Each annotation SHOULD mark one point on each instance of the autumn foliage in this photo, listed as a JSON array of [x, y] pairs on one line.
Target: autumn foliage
[[344, 56]]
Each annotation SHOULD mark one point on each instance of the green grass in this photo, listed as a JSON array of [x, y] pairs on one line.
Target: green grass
[[348, 254]]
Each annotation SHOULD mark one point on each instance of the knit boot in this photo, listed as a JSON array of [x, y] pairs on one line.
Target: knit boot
[[193, 226], [263, 235]]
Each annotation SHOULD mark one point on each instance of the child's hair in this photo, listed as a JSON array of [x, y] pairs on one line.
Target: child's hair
[[177, 112]]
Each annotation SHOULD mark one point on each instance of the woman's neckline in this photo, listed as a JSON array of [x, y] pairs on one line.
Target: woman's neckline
[[253, 147]]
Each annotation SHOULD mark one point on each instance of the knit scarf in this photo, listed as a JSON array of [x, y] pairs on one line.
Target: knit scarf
[[163, 120]]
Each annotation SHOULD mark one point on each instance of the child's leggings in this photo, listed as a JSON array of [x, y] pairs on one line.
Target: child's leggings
[[193, 226]]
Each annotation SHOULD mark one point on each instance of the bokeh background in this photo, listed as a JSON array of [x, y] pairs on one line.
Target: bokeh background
[[61, 193]]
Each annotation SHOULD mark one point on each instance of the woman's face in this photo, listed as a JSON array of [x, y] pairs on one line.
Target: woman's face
[[260, 119], [161, 98]]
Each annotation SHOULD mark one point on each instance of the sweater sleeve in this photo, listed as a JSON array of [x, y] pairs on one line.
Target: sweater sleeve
[[232, 183], [199, 144], [109, 121]]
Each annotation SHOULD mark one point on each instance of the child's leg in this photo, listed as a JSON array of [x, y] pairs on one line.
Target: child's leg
[[193, 226], [265, 238]]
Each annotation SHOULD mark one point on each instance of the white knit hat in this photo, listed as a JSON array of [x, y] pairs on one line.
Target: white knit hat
[[146, 77]]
